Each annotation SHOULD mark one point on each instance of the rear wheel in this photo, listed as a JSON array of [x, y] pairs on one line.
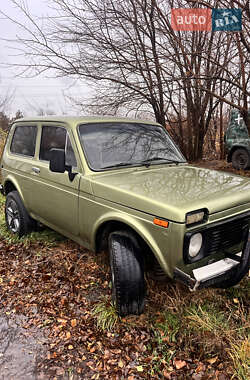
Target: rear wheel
[[240, 159], [17, 218], [128, 284]]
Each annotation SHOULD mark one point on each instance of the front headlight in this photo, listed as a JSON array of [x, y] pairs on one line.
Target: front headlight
[[195, 245], [197, 216]]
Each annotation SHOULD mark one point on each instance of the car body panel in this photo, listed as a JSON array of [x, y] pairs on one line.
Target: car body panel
[[172, 191]]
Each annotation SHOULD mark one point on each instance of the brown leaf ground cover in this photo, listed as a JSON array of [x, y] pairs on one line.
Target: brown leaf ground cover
[[64, 290]]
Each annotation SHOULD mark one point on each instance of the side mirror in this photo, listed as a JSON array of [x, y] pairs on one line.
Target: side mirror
[[57, 160]]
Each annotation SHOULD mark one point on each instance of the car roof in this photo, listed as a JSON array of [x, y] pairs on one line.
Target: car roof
[[75, 120]]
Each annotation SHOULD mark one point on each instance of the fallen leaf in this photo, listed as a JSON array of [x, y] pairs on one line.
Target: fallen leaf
[[89, 364], [73, 322], [179, 364], [120, 364], [236, 300], [139, 368], [167, 374], [116, 351], [166, 339], [106, 354], [68, 335], [70, 347], [212, 360], [62, 320], [199, 368]]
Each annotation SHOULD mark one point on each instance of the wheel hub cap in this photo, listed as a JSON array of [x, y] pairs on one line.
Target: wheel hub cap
[[13, 217]]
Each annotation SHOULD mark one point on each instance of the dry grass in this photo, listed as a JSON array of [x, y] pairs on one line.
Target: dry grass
[[240, 355]]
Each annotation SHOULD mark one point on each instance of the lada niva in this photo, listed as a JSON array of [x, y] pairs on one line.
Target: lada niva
[[123, 186]]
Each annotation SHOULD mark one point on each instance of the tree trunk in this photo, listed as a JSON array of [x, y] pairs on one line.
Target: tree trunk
[[222, 153]]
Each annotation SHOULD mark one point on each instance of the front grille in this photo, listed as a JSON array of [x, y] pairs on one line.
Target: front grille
[[227, 235], [224, 236]]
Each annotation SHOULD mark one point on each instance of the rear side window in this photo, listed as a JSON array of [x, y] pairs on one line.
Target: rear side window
[[56, 137], [24, 140]]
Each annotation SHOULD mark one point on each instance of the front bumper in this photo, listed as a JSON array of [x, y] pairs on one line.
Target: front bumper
[[221, 274]]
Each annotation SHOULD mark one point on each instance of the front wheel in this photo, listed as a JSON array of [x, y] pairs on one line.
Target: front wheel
[[128, 284], [17, 218], [240, 159]]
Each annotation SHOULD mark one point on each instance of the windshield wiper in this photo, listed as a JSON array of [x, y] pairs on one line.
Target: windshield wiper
[[147, 163], [117, 165]]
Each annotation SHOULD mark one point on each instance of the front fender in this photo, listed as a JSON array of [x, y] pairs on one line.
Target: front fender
[[140, 226]]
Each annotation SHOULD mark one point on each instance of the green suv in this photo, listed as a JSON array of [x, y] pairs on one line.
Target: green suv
[[123, 186], [237, 141]]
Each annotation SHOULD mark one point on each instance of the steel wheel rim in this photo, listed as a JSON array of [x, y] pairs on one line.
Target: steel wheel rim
[[13, 217]]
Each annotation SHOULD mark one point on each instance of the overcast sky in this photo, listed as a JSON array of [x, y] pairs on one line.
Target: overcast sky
[[31, 94]]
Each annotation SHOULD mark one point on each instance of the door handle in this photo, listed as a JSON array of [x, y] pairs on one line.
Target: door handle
[[35, 170]]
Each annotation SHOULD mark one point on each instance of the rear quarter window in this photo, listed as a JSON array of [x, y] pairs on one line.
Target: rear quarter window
[[24, 140]]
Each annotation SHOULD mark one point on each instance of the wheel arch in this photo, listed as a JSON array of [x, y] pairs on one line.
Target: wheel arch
[[234, 148], [10, 184], [114, 223]]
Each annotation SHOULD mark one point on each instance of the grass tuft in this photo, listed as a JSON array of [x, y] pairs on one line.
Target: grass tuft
[[240, 355], [205, 318], [168, 325], [105, 314]]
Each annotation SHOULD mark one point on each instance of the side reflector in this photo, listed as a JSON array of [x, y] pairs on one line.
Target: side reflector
[[160, 222]]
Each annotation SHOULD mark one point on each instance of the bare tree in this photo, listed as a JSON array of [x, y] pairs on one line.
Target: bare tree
[[241, 44], [6, 97], [129, 52]]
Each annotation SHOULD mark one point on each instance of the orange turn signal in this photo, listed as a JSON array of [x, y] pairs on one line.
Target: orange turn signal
[[160, 222]]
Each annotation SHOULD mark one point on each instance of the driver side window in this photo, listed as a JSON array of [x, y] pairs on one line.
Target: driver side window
[[56, 137]]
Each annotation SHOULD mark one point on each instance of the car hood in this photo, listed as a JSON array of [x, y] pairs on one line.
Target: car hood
[[172, 191]]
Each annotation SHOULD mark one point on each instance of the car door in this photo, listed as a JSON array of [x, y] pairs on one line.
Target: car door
[[55, 196]]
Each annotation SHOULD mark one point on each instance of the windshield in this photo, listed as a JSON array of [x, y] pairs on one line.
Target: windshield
[[115, 144]]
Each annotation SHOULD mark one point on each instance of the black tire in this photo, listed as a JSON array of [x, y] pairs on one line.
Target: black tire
[[17, 218], [240, 159], [127, 270]]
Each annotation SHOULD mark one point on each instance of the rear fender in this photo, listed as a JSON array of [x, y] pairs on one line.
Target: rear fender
[[11, 180]]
